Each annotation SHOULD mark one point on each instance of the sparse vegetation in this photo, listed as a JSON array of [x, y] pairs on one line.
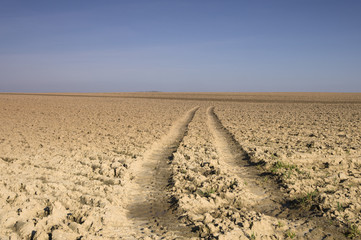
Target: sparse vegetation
[[252, 237], [340, 207], [286, 170], [290, 234], [308, 200], [281, 165], [265, 179], [353, 231], [206, 193]]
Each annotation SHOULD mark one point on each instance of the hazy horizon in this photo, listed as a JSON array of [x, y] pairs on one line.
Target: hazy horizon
[[180, 46]]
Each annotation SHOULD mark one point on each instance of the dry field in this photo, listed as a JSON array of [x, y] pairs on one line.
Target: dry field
[[180, 166]]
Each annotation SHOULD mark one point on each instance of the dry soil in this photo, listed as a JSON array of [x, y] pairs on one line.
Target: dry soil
[[180, 166]]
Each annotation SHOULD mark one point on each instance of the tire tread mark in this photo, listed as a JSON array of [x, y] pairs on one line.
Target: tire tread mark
[[150, 202], [272, 200]]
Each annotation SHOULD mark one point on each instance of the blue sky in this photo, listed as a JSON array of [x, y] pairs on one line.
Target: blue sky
[[115, 46]]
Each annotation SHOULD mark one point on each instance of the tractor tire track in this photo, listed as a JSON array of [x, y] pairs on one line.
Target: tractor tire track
[[150, 208], [270, 199]]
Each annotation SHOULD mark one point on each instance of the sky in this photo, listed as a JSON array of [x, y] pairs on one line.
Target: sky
[[180, 45]]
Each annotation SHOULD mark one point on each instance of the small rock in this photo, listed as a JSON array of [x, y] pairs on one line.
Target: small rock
[[212, 229], [207, 218], [342, 176]]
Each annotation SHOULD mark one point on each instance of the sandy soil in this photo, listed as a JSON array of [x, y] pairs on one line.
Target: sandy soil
[[180, 166]]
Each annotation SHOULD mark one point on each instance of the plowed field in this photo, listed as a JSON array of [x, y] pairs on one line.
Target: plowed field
[[180, 166]]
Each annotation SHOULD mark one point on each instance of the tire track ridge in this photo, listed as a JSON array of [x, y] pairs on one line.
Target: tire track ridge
[[239, 161], [151, 207], [273, 202]]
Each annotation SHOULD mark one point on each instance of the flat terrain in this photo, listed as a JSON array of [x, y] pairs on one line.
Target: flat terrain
[[180, 166]]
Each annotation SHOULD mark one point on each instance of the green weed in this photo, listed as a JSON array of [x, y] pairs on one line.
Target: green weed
[[253, 237], [285, 169], [207, 193], [353, 232], [340, 208], [308, 200], [265, 179], [290, 234]]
